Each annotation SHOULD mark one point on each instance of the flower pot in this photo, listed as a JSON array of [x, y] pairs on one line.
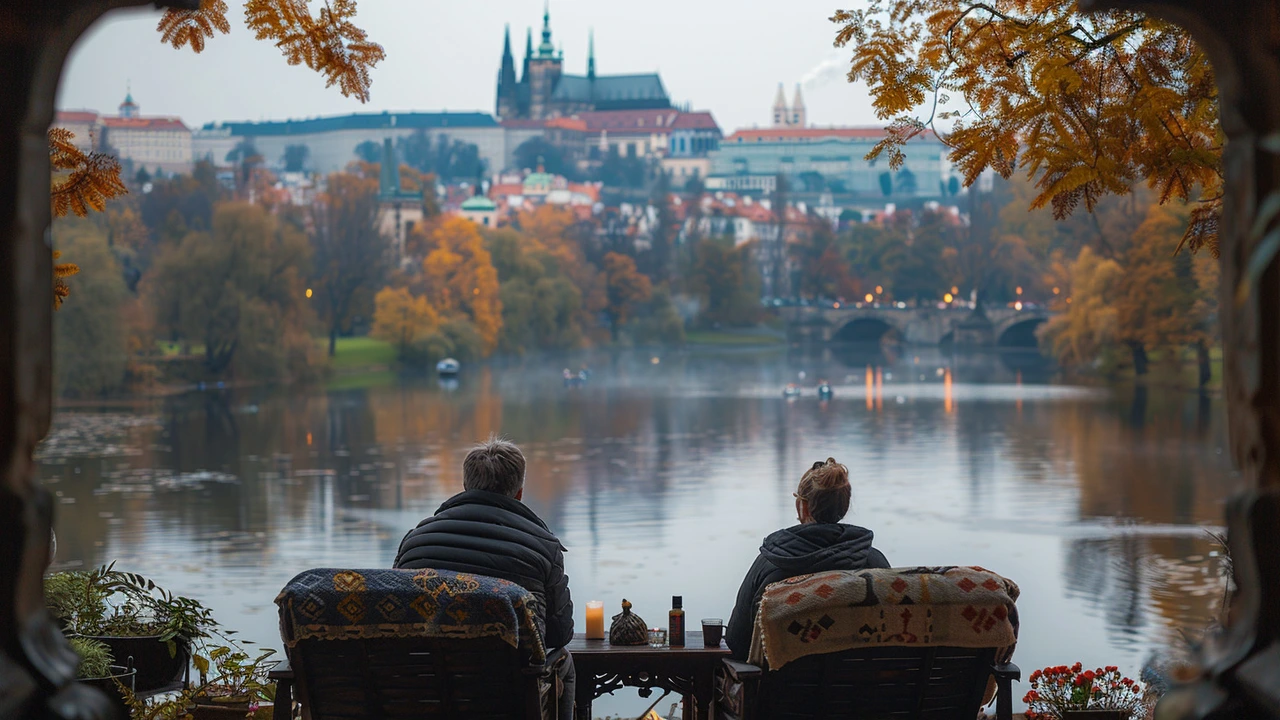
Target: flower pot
[[156, 667], [1097, 715], [206, 709], [108, 684]]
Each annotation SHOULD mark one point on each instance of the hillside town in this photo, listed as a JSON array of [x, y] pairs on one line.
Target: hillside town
[[612, 149]]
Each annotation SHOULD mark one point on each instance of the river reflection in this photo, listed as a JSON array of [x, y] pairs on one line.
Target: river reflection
[[662, 474]]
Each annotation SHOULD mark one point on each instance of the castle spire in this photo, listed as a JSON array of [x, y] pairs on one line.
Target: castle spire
[[797, 109], [591, 54], [546, 49], [528, 52]]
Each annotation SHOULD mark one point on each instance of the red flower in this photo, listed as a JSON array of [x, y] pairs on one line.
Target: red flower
[[1112, 668], [1088, 676], [1076, 667]]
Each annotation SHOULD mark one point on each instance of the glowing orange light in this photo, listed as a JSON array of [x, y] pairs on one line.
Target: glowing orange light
[[871, 390], [837, 306], [1056, 291], [1068, 300], [948, 298], [475, 291], [1019, 290], [955, 290], [879, 290], [947, 404], [308, 292], [870, 297], [308, 438]]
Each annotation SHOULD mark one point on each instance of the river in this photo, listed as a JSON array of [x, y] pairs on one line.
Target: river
[[664, 472]]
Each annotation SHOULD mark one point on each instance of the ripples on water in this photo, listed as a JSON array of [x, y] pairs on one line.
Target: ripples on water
[[661, 479]]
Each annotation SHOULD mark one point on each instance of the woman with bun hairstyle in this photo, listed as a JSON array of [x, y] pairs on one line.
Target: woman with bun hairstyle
[[818, 544]]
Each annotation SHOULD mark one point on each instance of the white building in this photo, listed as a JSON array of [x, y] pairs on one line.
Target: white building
[[331, 141], [151, 143]]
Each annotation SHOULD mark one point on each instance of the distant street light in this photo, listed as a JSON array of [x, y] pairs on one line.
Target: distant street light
[[308, 292], [1017, 305], [879, 290], [948, 298], [870, 297], [1018, 290]]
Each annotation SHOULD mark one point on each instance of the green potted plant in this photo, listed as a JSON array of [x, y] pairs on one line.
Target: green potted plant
[[97, 668], [1073, 693], [134, 618], [233, 684]]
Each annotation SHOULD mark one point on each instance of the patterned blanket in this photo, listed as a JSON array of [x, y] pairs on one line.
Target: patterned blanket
[[331, 604], [940, 606]]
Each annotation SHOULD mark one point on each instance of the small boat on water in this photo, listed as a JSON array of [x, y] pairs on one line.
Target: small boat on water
[[448, 367], [791, 391]]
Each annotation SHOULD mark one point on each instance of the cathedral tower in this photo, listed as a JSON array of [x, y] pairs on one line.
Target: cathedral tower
[[508, 90], [798, 118], [781, 115]]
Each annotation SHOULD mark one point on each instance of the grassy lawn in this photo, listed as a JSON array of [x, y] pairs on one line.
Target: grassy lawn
[[730, 339], [360, 352]]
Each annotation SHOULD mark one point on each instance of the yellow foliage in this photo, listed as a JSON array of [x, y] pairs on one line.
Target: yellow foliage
[[1086, 105], [1090, 321], [402, 319], [61, 271], [461, 279], [82, 181], [329, 44], [192, 27]]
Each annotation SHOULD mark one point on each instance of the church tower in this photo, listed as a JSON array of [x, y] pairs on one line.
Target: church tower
[[591, 54], [798, 118], [781, 115], [508, 92], [544, 72]]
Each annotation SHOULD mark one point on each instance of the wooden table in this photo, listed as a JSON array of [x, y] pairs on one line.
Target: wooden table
[[690, 670]]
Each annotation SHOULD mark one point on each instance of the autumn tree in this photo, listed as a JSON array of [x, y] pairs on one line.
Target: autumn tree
[[238, 292], [1154, 300], [402, 319], [541, 307], [626, 289], [350, 256], [460, 279], [1082, 334], [330, 44], [726, 280], [89, 335], [1086, 105]]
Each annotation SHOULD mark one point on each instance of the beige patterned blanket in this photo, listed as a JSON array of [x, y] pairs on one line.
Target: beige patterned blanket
[[940, 606]]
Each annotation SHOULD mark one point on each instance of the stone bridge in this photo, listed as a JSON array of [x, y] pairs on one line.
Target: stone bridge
[[1002, 326]]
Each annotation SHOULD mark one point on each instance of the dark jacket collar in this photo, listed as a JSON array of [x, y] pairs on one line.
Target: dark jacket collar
[[499, 501]]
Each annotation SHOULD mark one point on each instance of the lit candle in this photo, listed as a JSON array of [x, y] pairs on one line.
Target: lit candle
[[595, 620]]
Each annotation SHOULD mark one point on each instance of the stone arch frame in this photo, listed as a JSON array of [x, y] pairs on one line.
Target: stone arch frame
[[1239, 671], [889, 328]]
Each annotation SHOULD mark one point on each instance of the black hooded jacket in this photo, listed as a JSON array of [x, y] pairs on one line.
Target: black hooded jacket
[[798, 550], [491, 534]]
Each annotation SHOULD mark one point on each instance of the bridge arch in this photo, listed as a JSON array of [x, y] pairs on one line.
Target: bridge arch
[[863, 330], [1021, 335]]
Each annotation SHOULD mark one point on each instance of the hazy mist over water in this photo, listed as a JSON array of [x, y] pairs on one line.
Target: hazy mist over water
[[664, 472]]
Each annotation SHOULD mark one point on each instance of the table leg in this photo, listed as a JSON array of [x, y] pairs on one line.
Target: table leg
[[582, 701], [704, 688], [690, 705]]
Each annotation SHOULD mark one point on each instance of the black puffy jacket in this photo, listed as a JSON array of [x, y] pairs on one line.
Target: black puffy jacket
[[490, 534], [798, 550]]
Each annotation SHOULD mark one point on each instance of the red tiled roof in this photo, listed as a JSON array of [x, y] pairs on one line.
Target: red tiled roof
[[76, 116], [517, 123], [567, 123], [696, 121], [782, 134], [145, 123], [639, 120]]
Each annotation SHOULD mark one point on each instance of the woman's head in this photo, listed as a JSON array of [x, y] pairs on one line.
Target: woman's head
[[824, 493]]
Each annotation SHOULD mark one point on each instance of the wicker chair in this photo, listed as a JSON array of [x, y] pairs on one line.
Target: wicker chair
[[876, 680], [390, 644]]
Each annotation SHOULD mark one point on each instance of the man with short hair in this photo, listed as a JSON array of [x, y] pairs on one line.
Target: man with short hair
[[487, 530]]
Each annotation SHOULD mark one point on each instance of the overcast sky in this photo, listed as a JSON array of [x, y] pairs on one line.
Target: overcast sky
[[726, 57]]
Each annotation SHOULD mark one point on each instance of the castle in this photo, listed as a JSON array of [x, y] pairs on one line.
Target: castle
[[543, 91]]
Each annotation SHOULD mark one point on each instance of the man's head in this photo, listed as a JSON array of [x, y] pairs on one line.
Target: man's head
[[496, 466]]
